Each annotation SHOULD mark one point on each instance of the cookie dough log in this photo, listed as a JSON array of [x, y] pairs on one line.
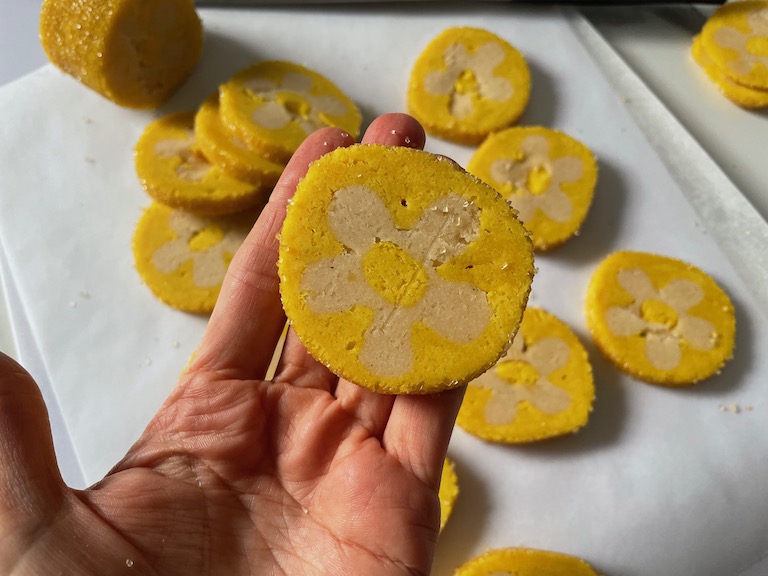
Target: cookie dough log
[[525, 562], [133, 52], [400, 271]]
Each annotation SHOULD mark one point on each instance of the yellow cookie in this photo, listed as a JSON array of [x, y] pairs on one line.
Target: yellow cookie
[[449, 491], [221, 147], [736, 39], [542, 388], [173, 172], [743, 96], [183, 258], [273, 106], [400, 271], [660, 319], [525, 562], [546, 175], [468, 83], [134, 52]]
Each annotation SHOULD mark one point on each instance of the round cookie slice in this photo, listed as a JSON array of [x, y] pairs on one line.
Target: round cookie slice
[[400, 271], [448, 492], [133, 52], [525, 562], [546, 175], [173, 172], [221, 147], [660, 319], [541, 388], [744, 96], [183, 258], [272, 106], [736, 39], [467, 83]]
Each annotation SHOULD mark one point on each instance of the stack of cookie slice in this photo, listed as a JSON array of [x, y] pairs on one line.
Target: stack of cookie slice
[[211, 171]]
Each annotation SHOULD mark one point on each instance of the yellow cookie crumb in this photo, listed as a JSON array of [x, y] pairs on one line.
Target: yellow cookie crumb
[[660, 319], [744, 96], [525, 562], [133, 52], [546, 175], [221, 147], [449, 491], [183, 258], [736, 39], [273, 106], [400, 271], [173, 172], [467, 83], [541, 388]]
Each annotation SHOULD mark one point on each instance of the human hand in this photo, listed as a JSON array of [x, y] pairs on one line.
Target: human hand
[[300, 475]]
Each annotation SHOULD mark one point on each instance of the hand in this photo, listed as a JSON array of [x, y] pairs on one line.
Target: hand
[[300, 475]]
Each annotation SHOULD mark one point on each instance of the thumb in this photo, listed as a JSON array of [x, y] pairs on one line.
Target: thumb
[[31, 487]]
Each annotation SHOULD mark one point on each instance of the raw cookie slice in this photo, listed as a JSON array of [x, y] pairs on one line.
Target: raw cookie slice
[[736, 39], [183, 257], [739, 94], [133, 52], [542, 388], [173, 172], [221, 147], [467, 83], [448, 492], [660, 319], [546, 175], [400, 271], [273, 106], [525, 562]]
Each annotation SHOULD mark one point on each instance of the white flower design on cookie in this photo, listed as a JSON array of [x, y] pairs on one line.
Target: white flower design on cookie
[[662, 317], [742, 43], [394, 273], [523, 375]]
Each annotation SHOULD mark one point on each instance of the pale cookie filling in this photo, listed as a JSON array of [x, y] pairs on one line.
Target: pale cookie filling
[[200, 240], [522, 376], [291, 100], [469, 75], [536, 180], [734, 39], [193, 167], [661, 317], [393, 273]]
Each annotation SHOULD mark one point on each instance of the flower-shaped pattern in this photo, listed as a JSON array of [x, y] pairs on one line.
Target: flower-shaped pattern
[[522, 376], [291, 100], [661, 317], [393, 272], [536, 180], [730, 37], [469, 75], [193, 166], [203, 242]]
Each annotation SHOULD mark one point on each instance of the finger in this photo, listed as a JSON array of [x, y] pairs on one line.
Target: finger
[[30, 483], [248, 318], [370, 409], [297, 367], [395, 130], [419, 430]]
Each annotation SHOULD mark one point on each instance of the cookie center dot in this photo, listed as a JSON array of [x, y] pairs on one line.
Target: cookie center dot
[[295, 105], [394, 274], [658, 313], [206, 238], [466, 83], [517, 372], [539, 179]]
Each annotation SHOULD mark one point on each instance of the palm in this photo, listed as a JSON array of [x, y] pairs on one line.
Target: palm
[[302, 474]]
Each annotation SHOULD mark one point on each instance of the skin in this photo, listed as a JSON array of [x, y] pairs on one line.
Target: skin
[[304, 474]]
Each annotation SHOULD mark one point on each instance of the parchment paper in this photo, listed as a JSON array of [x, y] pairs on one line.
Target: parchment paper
[[660, 482]]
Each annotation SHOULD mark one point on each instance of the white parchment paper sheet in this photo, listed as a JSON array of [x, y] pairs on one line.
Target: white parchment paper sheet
[[661, 482]]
